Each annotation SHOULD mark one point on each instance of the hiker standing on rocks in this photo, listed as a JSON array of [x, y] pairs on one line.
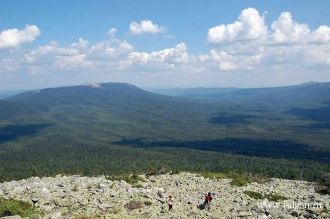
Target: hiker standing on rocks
[[170, 202]]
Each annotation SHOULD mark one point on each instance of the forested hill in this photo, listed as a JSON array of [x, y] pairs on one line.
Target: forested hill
[[80, 92], [116, 127], [303, 94]]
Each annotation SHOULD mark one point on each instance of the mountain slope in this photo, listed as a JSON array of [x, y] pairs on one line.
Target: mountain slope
[[115, 127], [9, 109], [81, 93]]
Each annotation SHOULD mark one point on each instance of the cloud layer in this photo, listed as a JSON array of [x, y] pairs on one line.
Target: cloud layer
[[246, 52], [249, 44]]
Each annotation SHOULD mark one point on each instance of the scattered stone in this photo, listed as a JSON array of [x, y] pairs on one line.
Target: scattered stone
[[294, 213], [70, 196], [36, 216], [12, 217], [245, 214]]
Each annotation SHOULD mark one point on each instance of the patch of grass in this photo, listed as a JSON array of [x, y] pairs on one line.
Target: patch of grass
[[85, 217], [275, 197], [138, 185], [214, 175], [259, 178], [131, 179], [132, 205], [242, 179], [10, 207], [156, 172], [134, 179], [270, 197], [254, 195], [239, 180], [147, 203]]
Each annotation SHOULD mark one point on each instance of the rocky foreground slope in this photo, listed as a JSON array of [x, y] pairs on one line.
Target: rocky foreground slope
[[76, 196]]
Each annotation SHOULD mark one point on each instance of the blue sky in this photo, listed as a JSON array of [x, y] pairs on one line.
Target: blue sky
[[147, 59]]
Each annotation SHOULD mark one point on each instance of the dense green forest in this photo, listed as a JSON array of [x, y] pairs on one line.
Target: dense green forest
[[118, 128]]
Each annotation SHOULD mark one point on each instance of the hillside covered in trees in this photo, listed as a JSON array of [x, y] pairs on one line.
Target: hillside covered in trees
[[115, 128]]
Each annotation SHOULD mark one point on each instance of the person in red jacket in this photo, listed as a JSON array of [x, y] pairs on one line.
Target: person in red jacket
[[206, 203], [207, 200]]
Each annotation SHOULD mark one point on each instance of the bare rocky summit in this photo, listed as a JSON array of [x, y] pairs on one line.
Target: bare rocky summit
[[101, 197]]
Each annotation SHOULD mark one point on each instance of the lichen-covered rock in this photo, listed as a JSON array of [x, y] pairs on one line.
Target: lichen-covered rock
[[69, 196]]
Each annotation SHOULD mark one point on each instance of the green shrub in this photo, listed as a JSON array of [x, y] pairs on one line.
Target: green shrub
[[134, 179], [254, 195], [147, 203], [214, 175], [131, 179], [270, 197], [156, 172], [242, 179], [85, 217], [10, 207], [259, 178], [275, 197], [137, 185], [239, 180]]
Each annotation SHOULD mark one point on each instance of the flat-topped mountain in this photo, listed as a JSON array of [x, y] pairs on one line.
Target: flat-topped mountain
[[85, 92], [146, 196]]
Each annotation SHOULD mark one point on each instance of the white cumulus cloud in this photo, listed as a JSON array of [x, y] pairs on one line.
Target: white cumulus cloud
[[225, 61], [247, 51], [81, 44], [321, 35], [249, 44], [285, 30], [171, 57], [145, 26], [249, 26], [13, 38], [112, 35]]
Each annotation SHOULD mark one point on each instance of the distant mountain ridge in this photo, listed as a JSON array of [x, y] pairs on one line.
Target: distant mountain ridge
[[314, 88], [5, 94], [302, 94]]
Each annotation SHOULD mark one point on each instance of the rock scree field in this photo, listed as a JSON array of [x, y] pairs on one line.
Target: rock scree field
[[145, 196]]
